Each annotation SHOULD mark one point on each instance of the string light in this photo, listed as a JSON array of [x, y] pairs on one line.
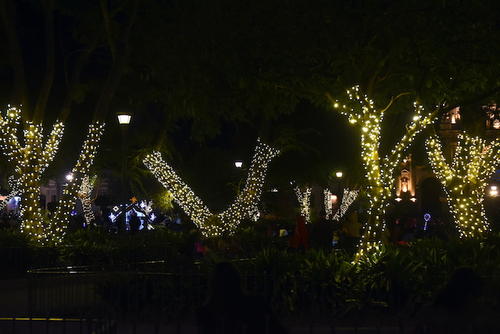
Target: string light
[[30, 162], [362, 113], [347, 199], [85, 196], [304, 198], [465, 180], [58, 225], [327, 201], [243, 207]]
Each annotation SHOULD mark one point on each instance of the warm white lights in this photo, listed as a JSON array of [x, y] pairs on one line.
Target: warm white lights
[[464, 180], [362, 112], [339, 174], [245, 205], [69, 177], [31, 160], [347, 199], [304, 198], [238, 164], [85, 195]]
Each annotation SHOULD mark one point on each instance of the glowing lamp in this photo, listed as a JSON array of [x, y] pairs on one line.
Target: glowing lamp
[[413, 199], [339, 174], [333, 198], [124, 118], [398, 199], [238, 164], [493, 191]]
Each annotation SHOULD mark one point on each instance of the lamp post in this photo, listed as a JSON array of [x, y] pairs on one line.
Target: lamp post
[[124, 118]]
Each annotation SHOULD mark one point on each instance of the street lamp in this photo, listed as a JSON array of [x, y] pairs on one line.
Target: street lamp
[[493, 191], [238, 164], [339, 174], [124, 118]]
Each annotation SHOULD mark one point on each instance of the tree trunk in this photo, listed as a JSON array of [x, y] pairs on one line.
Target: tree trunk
[[468, 214]]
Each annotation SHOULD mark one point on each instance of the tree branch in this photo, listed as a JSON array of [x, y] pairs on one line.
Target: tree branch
[[393, 99]]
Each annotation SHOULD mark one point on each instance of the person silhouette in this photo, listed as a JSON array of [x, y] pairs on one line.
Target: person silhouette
[[229, 310]]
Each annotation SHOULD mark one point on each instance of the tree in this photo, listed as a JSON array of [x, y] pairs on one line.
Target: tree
[[244, 207], [31, 160], [379, 169], [465, 179]]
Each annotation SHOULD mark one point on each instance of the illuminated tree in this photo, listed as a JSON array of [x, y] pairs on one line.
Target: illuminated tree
[[31, 160], [464, 181], [379, 169], [243, 207], [304, 198]]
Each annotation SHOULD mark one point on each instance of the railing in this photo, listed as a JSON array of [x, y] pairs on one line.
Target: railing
[[56, 325]]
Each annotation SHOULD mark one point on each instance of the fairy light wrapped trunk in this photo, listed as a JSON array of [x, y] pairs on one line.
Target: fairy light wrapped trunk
[[60, 222], [244, 206], [85, 196], [379, 170], [465, 180], [31, 160], [304, 198]]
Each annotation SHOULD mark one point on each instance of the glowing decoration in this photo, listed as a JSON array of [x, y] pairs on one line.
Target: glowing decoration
[[14, 191], [147, 206], [304, 199], [85, 195], [464, 180], [348, 198], [69, 177], [31, 160], [243, 207], [90, 146], [427, 218], [328, 201], [143, 210], [362, 113]]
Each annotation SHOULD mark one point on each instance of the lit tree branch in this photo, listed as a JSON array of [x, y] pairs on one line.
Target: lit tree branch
[[247, 200], [192, 205], [52, 144], [243, 207], [90, 146], [419, 122], [304, 198]]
